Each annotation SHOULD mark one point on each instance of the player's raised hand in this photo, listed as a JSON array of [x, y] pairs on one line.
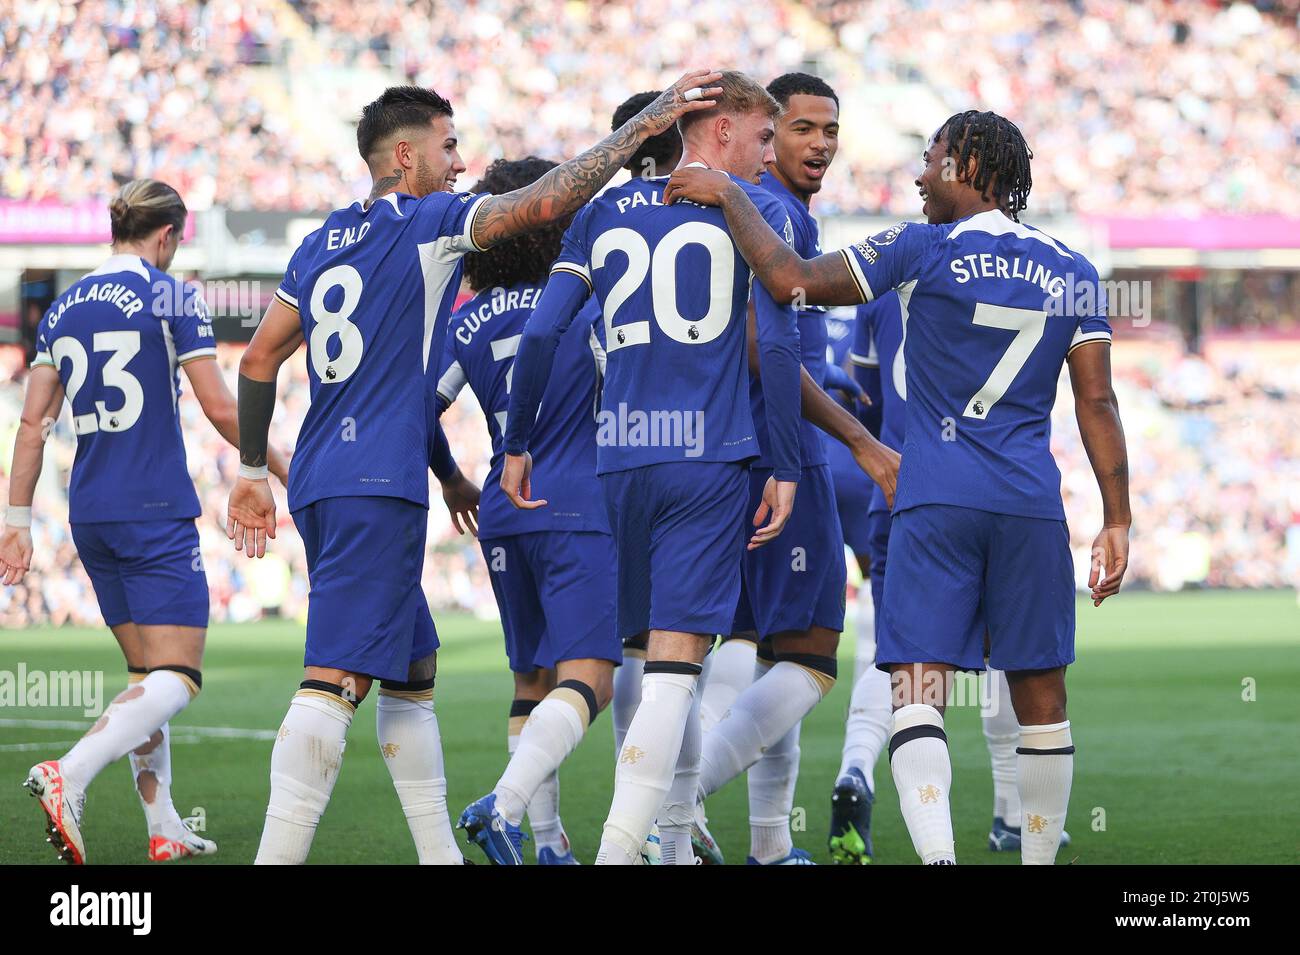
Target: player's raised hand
[[1109, 561], [880, 462], [517, 481], [778, 502], [689, 93], [250, 516], [15, 554], [462, 496], [705, 187]]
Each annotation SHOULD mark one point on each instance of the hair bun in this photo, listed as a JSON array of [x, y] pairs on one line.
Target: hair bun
[[118, 208]]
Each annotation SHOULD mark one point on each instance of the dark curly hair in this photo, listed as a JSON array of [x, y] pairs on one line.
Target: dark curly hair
[[526, 258], [1001, 154]]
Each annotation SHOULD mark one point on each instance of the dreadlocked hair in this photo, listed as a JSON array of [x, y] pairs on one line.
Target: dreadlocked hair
[[525, 258], [1001, 156]]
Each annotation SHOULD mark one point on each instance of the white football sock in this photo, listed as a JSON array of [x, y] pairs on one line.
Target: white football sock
[[304, 767], [767, 710], [923, 775], [1045, 769], [151, 767], [771, 798], [552, 731], [411, 744], [627, 694], [678, 813], [1002, 734], [646, 764], [867, 729], [731, 669], [127, 724], [544, 808]]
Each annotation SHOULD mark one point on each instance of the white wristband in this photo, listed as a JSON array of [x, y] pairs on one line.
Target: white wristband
[[18, 516], [254, 474]]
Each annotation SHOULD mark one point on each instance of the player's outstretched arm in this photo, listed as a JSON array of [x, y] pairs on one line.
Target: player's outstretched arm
[[41, 407], [790, 278], [569, 186], [1097, 412], [250, 512]]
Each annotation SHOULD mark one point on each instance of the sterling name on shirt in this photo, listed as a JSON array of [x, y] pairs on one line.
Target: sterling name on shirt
[[986, 265]]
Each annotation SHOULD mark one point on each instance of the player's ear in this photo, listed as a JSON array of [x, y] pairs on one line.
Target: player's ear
[[723, 128]]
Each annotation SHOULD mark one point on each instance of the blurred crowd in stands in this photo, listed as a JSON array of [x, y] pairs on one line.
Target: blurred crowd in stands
[[1162, 108], [1214, 460]]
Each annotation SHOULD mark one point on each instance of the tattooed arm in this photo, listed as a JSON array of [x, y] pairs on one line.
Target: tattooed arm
[[569, 186], [1097, 412], [825, 280]]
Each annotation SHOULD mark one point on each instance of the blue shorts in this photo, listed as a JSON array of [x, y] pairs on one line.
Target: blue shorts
[[956, 572], [798, 580], [679, 531], [555, 590], [852, 496], [366, 612], [878, 524], [148, 573]]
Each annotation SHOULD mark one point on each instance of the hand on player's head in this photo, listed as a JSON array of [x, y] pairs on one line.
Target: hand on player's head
[[672, 103]]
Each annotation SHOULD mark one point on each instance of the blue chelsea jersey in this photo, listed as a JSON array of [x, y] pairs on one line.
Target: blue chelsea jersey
[[673, 292], [991, 309], [117, 339], [374, 288], [812, 329], [482, 342]]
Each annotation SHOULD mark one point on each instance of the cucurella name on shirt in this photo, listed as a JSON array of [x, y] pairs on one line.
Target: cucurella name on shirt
[[498, 304]]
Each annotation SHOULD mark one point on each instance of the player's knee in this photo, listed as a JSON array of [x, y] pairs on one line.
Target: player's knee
[[191, 677], [349, 690], [534, 685], [823, 670]]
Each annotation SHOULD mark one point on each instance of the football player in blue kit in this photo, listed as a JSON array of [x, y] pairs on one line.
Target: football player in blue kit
[[675, 433], [113, 343], [994, 309], [877, 358], [793, 595], [552, 569], [370, 292]]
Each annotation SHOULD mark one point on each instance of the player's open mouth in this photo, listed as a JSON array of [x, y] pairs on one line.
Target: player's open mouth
[[815, 168]]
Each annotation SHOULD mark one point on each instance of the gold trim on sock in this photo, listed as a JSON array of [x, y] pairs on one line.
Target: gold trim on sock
[[516, 725], [825, 682], [134, 678], [334, 698], [415, 696], [566, 694], [635, 652], [190, 685]]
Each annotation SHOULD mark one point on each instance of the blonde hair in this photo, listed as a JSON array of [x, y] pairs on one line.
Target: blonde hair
[[143, 206], [739, 95]]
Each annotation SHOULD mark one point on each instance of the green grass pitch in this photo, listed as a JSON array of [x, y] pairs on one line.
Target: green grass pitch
[[1173, 765]]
